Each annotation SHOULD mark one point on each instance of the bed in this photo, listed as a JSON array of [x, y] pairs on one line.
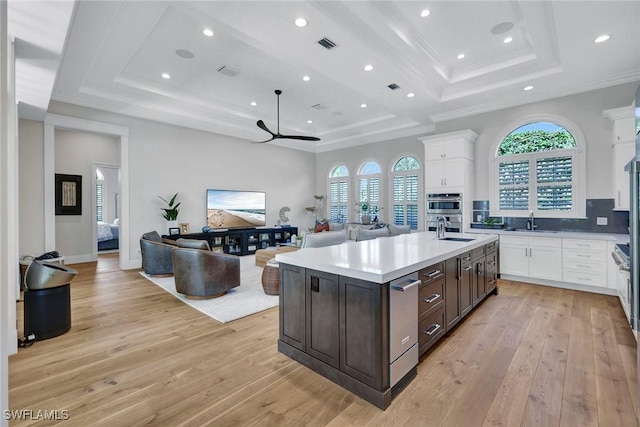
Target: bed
[[108, 236]]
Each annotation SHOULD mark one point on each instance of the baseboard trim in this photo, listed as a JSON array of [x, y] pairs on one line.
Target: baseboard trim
[[564, 285]]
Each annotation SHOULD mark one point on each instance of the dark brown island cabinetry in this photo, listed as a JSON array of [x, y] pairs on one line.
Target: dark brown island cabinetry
[[337, 326], [343, 327]]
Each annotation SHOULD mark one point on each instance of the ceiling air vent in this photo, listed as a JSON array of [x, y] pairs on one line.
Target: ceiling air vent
[[393, 86], [319, 107], [228, 71], [326, 43]]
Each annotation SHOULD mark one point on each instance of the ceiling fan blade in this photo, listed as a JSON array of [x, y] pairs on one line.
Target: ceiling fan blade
[[301, 137], [266, 140], [264, 127]]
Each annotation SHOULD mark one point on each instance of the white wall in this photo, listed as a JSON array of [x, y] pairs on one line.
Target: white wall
[[31, 157], [385, 153], [75, 153], [584, 109], [165, 159]]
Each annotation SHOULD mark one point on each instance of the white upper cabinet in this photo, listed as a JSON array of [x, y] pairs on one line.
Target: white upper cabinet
[[449, 162], [623, 141]]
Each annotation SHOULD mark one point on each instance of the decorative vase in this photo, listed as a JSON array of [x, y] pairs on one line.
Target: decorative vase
[[366, 219], [170, 225]]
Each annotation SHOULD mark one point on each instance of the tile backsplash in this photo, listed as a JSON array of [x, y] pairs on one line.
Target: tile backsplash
[[617, 221]]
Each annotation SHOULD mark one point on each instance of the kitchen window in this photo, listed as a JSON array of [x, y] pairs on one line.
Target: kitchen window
[[405, 179], [538, 167], [338, 194]]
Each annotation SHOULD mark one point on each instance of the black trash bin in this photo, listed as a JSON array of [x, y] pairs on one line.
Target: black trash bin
[[47, 299]]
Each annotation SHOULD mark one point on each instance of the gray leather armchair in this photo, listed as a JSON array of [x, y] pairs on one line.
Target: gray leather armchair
[[156, 255], [201, 274]]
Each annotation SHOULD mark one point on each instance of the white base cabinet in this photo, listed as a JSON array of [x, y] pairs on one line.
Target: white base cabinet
[[572, 261], [537, 257]]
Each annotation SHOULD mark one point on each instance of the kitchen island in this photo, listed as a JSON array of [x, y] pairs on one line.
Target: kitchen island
[[361, 313]]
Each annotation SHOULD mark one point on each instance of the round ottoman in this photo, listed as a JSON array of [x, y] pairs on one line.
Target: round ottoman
[[271, 279]]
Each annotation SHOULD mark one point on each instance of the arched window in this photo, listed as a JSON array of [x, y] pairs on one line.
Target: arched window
[[404, 183], [537, 166], [369, 186], [338, 193]]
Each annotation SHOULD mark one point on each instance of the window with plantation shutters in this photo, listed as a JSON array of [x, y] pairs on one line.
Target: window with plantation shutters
[[338, 194], [404, 185], [536, 171], [99, 202], [369, 186]]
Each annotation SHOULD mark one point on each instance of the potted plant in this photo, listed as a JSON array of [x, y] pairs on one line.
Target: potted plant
[[364, 211], [170, 213]]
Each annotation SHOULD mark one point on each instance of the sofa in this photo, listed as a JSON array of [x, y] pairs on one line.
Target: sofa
[[339, 233]]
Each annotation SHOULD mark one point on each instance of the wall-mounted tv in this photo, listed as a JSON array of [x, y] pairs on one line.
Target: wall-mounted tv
[[235, 209]]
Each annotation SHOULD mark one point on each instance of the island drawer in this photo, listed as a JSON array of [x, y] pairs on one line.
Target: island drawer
[[430, 329], [432, 273], [431, 296], [477, 253], [490, 247]]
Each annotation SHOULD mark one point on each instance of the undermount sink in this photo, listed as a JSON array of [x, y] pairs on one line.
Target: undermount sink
[[457, 239], [535, 231]]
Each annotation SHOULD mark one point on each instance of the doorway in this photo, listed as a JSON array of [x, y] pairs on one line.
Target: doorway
[[106, 209]]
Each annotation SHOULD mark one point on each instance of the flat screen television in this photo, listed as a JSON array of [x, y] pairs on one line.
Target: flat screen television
[[236, 209]]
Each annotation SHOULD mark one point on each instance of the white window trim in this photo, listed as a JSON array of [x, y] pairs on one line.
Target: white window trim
[[420, 173], [579, 168], [338, 179]]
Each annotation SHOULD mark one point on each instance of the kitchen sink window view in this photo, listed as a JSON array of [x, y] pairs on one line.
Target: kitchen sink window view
[[539, 169]]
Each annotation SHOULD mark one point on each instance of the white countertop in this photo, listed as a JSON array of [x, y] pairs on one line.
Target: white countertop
[[385, 258], [618, 238]]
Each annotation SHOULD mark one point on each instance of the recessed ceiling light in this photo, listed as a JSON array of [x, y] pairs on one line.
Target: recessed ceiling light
[[368, 67], [411, 95], [425, 13], [309, 121], [508, 40], [602, 38], [208, 32], [165, 76], [306, 78], [461, 56], [527, 88], [300, 22], [363, 105], [254, 103]]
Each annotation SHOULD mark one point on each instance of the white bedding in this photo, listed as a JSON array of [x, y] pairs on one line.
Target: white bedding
[[104, 231]]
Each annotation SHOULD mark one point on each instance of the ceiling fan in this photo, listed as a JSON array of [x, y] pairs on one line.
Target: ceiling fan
[[278, 135]]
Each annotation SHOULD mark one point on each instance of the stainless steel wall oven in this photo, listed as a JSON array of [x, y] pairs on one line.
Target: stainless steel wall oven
[[448, 205]]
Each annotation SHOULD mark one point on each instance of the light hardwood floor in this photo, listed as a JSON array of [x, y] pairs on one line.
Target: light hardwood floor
[[135, 355]]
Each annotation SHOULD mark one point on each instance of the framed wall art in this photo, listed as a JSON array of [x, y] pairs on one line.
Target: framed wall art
[[68, 194]]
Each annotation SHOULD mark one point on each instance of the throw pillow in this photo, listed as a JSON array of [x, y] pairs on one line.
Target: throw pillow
[[321, 226], [364, 234], [396, 230], [193, 244], [335, 226]]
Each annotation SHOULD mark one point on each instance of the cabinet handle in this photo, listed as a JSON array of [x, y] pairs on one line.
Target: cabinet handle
[[583, 256], [315, 284], [445, 181], [433, 329], [526, 252], [407, 286], [585, 278], [530, 252], [618, 197], [468, 268], [583, 266], [432, 298], [433, 274]]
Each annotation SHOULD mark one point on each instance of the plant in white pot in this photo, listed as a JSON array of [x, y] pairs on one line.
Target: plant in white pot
[[170, 213]]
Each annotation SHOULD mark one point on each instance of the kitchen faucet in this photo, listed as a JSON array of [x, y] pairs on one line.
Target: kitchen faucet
[[441, 224], [531, 223]]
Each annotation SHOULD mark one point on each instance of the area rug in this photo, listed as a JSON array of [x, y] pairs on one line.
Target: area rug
[[241, 301]]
